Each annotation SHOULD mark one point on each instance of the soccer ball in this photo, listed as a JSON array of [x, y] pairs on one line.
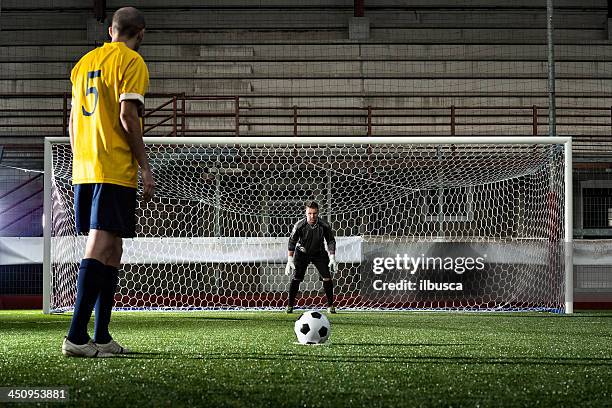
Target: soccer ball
[[312, 328]]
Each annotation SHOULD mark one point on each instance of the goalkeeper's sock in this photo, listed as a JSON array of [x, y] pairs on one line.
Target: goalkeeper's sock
[[89, 281], [293, 290], [328, 285], [104, 305]]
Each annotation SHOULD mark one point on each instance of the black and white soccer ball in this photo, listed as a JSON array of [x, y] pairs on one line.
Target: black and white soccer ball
[[312, 328]]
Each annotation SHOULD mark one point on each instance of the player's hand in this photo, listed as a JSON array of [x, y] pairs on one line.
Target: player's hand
[[148, 184], [333, 265], [290, 266]]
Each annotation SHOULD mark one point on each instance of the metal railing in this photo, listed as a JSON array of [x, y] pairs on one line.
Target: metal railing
[[175, 116]]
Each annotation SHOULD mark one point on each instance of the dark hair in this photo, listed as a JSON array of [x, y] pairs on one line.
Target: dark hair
[[311, 204], [128, 22]]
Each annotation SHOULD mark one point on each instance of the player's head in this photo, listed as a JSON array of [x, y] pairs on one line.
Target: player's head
[[312, 212], [128, 24]]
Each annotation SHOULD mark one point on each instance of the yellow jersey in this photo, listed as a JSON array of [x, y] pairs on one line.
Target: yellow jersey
[[100, 81]]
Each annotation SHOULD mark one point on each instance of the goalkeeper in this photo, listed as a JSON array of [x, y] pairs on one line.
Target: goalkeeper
[[305, 247]]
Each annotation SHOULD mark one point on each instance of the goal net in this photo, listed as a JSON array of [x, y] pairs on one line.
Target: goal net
[[421, 223]]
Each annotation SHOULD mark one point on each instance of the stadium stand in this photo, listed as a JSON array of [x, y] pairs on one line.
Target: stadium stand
[[428, 68]]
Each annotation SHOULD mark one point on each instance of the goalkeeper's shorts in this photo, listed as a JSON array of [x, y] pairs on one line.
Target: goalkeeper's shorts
[[320, 261], [104, 206]]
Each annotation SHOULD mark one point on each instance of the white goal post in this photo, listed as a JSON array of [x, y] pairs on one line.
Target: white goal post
[[422, 223]]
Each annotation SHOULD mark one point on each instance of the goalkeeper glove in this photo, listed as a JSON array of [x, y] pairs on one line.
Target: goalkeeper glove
[[290, 266], [333, 265]]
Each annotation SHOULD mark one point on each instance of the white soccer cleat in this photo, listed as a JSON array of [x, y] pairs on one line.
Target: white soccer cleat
[[112, 347], [89, 349]]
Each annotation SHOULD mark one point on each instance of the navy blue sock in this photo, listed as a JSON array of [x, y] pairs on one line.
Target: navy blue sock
[[104, 305], [88, 287]]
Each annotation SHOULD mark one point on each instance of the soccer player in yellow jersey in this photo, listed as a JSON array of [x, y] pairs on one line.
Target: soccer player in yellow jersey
[[108, 87]]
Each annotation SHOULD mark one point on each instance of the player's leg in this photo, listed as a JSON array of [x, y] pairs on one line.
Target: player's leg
[[92, 268], [120, 216], [90, 280], [104, 306], [321, 262], [301, 264], [106, 298]]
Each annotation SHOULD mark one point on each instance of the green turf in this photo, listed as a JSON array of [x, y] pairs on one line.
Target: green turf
[[236, 359]]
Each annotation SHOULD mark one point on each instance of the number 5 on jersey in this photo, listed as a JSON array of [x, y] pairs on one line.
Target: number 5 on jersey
[[93, 90]]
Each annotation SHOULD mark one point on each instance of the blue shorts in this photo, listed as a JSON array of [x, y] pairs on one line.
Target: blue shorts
[[107, 207]]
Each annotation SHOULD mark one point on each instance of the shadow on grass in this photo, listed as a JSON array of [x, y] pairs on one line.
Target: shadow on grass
[[538, 316], [460, 360], [141, 354], [231, 319], [400, 344], [377, 359]]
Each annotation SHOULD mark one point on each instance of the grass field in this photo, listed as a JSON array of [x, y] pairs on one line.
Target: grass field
[[237, 359]]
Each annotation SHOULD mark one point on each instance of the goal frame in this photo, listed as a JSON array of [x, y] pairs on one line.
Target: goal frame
[[565, 141]]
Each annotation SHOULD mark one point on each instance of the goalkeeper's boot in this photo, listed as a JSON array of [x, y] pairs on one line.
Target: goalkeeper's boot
[[289, 309], [331, 309], [89, 349], [113, 347]]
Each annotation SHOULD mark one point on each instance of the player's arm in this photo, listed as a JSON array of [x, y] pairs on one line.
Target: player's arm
[[330, 240], [70, 130], [130, 121], [132, 89], [293, 240], [331, 248]]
